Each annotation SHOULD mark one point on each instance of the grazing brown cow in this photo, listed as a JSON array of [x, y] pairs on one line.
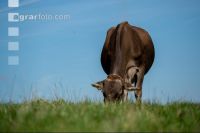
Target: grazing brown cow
[[127, 55]]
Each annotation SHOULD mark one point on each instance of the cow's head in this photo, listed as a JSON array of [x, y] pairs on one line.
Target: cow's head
[[113, 88]]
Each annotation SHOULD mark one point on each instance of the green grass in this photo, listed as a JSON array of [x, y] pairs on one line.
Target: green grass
[[41, 115]]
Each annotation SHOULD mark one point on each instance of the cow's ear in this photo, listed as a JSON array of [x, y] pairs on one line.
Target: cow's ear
[[129, 87], [98, 85]]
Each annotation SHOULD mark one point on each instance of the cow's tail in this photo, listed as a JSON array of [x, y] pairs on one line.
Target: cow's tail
[[119, 31]]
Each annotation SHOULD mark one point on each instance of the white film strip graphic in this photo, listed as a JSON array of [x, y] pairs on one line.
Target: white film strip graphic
[[13, 32]]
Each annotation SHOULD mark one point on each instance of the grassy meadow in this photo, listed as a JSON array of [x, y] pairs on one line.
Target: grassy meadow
[[59, 115]]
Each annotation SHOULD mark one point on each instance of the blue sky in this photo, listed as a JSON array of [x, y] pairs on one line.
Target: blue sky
[[62, 58]]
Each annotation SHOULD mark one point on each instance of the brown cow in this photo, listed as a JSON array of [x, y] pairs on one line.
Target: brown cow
[[127, 55]]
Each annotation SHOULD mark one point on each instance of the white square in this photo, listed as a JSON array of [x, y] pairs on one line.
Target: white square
[[13, 31], [13, 17], [13, 3], [13, 60], [13, 46]]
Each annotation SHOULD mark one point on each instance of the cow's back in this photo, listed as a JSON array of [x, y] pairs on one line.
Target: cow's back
[[135, 44]]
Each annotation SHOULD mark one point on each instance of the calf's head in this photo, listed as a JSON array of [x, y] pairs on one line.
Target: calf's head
[[113, 88]]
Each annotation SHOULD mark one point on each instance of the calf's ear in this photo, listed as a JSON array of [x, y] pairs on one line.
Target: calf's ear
[[98, 85], [129, 87]]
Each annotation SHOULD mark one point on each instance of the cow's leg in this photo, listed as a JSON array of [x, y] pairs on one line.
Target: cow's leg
[[125, 96], [138, 92], [130, 77]]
